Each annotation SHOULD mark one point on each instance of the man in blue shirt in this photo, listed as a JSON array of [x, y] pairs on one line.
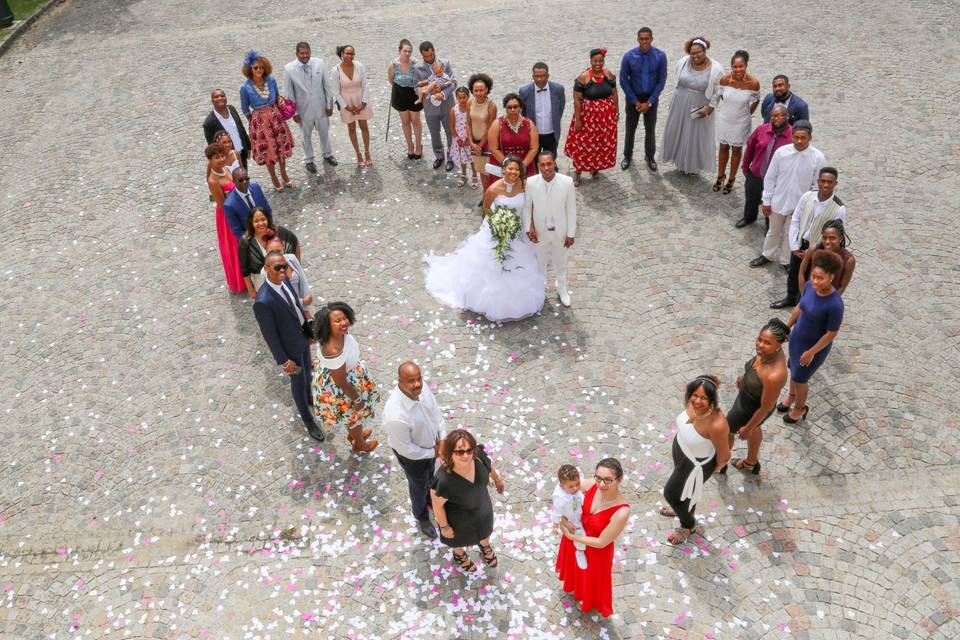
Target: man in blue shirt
[[796, 107], [643, 74]]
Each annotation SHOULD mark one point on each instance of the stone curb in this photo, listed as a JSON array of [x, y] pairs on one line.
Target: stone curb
[[23, 25]]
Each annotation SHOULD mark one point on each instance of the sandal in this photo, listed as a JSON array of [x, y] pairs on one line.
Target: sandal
[[727, 188], [741, 464], [369, 160], [681, 534], [278, 188], [475, 183], [719, 182], [667, 512], [488, 555], [464, 562], [288, 184], [462, 180]]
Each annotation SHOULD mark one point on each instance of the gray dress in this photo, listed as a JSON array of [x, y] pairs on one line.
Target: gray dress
[[690, 144]]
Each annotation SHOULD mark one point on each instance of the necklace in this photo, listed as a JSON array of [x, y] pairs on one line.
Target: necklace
[[770, 361], [600, 78], [508, 186], [219, 174], [264, 92], [515, 127]]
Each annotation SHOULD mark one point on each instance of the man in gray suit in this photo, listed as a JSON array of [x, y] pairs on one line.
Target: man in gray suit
[[307, 83], [543, 103], [437, 116]]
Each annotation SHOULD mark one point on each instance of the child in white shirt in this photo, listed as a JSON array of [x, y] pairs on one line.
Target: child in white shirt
[[568, 503]]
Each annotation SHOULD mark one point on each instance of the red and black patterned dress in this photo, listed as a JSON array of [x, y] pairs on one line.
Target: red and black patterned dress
[[594, 148]]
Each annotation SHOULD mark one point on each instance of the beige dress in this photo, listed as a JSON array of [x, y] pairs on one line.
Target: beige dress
[[478, 122], [351, 92]]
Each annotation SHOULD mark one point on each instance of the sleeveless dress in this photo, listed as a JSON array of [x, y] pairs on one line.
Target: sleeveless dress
[[330, 403], [593, 586], [748, 398], [478, 123], [229, 251], [513, 143], [472, 278], [351, 91], [460, 155]]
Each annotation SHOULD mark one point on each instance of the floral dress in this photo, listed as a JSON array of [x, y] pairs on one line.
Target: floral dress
[[461, 155], [330, 404]]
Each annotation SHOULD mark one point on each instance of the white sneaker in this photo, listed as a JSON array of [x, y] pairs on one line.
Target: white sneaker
[[581, 559], [564, 296]]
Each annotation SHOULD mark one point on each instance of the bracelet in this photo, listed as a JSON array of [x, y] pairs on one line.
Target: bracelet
[[445, 527]]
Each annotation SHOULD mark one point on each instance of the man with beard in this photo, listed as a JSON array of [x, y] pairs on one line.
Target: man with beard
[[757, 153], [796, 107]]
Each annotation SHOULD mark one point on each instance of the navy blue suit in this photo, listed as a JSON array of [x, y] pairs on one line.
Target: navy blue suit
[[237, 211], [797, 109], [283, 333], [528, 99]]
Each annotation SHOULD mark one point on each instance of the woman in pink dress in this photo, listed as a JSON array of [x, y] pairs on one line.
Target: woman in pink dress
[[352, 94], [220, 183], [512, 135], [605, 515]]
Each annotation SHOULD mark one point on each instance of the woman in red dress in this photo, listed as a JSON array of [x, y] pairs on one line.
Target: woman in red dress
[[512, 135], [220, 183], [605, 514], [592, 140]]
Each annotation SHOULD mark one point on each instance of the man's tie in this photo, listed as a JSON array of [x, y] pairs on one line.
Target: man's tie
[[306, 68], [541, 90], [290, 301], [767, 155], [249, 201]]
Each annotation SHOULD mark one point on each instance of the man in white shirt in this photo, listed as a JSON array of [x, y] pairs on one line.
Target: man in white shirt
[[550, 219], [543, 102], [792, 172], [414, 426], [815, 209], [307, 83]]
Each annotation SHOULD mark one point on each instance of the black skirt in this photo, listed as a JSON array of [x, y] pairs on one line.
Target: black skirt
[[403, 98]]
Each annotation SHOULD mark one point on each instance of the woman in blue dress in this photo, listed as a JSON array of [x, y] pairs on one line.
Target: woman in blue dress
[[815, 323]]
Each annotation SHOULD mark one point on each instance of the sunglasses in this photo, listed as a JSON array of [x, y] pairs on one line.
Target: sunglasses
[[242, 180], [462, 452], [280, 267], [257, 68], [513, 106], [604, 481]]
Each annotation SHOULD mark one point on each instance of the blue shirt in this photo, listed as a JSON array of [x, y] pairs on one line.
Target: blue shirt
[[643, 74], [250, 99], [797, 109]]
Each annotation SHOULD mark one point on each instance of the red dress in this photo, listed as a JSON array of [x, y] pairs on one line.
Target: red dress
[[229, 250], [593, 586], [513, 143], [594, 148]]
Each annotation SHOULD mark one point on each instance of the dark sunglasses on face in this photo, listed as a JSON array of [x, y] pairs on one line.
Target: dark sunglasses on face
[[280, 267], [242, 180], [462, 452]]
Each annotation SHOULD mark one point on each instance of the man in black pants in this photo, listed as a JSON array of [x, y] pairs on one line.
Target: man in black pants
[[643, 74], [758, 151]]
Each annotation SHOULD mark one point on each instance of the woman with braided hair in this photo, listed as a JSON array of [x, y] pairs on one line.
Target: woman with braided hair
[[592, 140], [833, 237]]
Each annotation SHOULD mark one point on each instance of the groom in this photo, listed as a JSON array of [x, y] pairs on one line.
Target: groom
[[550, 219]]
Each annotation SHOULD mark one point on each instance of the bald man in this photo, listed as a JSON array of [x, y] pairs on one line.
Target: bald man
[[414, 426]]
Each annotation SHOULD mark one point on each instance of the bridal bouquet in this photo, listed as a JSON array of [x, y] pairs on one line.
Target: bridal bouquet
[[505, 227]]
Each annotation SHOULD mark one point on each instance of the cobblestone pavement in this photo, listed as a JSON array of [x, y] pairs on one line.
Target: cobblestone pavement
[[156, 483]]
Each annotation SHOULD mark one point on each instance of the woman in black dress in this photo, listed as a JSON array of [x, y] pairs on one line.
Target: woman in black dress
[[461, 499]]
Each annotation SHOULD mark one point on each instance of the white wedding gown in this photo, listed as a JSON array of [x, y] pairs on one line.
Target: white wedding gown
[[472, 278]]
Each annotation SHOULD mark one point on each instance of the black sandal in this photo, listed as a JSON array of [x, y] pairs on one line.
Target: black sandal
[[727, 188], [719, 182], [488, 555], [741, 464], [464, 562]]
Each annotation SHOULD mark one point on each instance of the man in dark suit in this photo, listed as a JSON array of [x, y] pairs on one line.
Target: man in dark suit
[[240, 202], [797, 109], [543, 102], [225, 118], [280, 316]]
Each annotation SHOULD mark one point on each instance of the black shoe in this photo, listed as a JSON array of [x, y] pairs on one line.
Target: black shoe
[[418, 156], [312, 168], [411, 156], [626, 163], [782, 408], [316, 433], [790, 420], [437, 163], [449, 166], [742, 222], [427, 529], [652, 165], [330, 160], [759, 261], [785, 303]]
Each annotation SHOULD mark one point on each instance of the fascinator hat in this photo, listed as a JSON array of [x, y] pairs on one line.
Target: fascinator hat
[[251, 58]]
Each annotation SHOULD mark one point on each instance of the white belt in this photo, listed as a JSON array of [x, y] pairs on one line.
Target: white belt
[[693, 487]]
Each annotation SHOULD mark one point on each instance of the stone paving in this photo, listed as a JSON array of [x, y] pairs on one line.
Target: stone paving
[[157, 484]]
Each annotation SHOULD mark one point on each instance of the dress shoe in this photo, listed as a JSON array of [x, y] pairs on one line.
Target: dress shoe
[[312, 168], [785, 303], [449, 166], [316, 433], [411, 156], [652, 165], [418, 156], [625, 164], [564, 296], [741, 223], [759, 261], [437, 163], [330, 160], [426, 528]]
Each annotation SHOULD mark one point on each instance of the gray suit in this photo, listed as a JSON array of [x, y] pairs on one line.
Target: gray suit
[[312, 92], [437, 116]]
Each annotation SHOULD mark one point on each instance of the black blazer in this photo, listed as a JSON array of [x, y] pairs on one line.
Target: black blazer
[[211, 125], [251, 255], [279, 324]]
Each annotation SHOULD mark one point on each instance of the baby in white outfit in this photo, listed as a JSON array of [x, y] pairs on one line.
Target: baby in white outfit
[[568, 503]]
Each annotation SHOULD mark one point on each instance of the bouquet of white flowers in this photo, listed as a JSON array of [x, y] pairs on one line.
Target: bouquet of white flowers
[[505, 227]]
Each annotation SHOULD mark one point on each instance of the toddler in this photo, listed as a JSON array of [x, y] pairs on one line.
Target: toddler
[[568, 503], [434, 85], [462, 152]]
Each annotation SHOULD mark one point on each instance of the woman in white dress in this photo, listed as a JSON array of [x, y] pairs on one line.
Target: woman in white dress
[[739, 97], [473, 278]]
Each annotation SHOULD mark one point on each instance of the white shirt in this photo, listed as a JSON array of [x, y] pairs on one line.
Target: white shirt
[[790, 175], [544, 112], [568, 505], [413, 426], [818, 208], [287, 296], [230, 126]]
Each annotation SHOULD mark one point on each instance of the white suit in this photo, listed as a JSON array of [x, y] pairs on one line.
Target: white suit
[[552, 206], [310, 89]]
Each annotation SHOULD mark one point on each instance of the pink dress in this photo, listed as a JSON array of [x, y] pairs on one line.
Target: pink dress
[[461, 155], [229, 251], [351, 92]]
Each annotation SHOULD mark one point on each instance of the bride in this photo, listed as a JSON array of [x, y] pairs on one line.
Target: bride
[[473, 278]]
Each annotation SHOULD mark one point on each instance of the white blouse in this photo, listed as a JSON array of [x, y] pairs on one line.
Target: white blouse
[[350, 355]]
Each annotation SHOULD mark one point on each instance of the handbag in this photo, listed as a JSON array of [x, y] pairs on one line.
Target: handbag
[[287, 106]]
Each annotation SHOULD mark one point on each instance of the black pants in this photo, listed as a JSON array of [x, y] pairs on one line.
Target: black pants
[[752, 196], [419, 474], [300, 388], [649, 129], [793, 276], [548, 142], [682, 467], [243, 158]]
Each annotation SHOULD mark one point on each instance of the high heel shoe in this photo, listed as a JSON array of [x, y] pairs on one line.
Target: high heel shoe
[[783, 407], [719, 182], [727, 188], [790, 420]]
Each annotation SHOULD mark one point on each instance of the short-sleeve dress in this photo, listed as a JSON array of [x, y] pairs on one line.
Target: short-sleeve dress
[[818, 315], [469, 508], [733, 115], [330, 403], [594, 147]]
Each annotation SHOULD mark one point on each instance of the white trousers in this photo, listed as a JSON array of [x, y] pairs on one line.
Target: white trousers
[[776, 246], [551, 252], [310, 120]]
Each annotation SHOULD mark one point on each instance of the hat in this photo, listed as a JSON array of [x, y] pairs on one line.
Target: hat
[[803, 125]]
